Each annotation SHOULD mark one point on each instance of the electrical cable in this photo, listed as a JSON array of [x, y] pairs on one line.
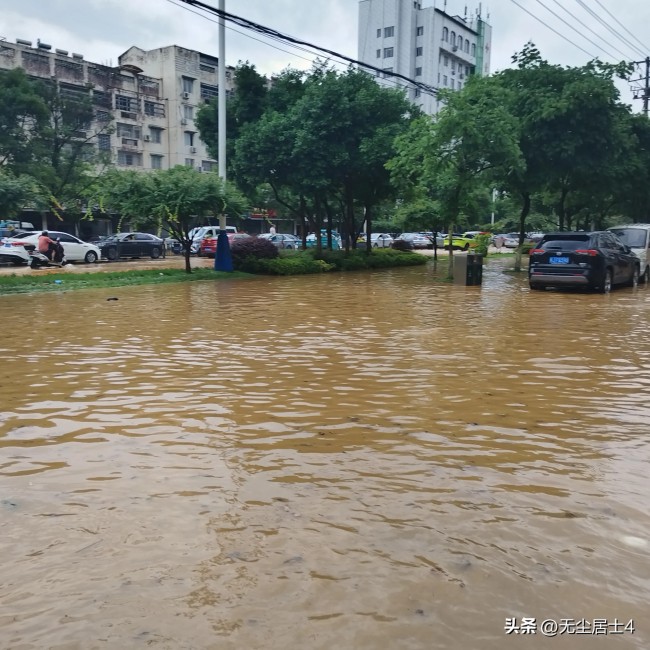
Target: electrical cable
[[552, 29], [607, 25], [392, 82], [266, 31], [626, 57], [645, 48]]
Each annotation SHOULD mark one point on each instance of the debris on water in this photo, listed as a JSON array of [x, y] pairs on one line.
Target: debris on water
[[112, 299], [58, 281]]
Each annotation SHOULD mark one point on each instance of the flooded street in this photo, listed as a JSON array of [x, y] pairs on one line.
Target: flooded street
[[364, 460]]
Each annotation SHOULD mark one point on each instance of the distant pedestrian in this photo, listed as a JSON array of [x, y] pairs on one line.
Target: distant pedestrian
[[272, 230]]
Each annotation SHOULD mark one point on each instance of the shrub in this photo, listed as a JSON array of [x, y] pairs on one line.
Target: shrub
[[254, 248], [295, 265], [482, 244]]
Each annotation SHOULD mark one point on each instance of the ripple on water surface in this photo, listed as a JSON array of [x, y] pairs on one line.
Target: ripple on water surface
[[366, 460]]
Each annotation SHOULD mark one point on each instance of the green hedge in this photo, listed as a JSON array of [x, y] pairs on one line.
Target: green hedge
[[303, 262]]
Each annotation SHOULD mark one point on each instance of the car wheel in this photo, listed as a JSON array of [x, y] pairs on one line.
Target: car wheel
[[289, 248], [466, 247], [91, 257], [536, 287], [111, 254], [634, 280], [606, 286], [646, 275], [155, 253], [198, 253]]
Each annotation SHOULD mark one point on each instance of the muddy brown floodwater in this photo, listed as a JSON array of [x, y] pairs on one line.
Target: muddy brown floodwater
[[347, 461]]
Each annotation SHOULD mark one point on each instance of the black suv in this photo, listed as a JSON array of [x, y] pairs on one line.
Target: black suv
[[596, 260]]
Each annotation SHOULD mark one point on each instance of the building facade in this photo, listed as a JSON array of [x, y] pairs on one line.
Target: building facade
[[144, 108], [425, 44]]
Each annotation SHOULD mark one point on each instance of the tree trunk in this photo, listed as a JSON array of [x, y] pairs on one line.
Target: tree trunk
[[525, 210], [561, 208], [318, 217], [349, 218], [328, 212], [368, 229], [188, 266], [450, 266]]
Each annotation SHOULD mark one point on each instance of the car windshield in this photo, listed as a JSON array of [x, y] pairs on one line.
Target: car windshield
[[632, 237], [566, 244]]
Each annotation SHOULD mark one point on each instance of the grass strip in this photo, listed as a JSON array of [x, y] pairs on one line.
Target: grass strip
[[33, 282]]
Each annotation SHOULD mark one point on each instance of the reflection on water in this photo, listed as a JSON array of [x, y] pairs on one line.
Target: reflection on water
[[358, 461]]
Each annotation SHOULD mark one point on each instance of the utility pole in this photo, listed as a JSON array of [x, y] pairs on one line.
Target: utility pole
[[642, 91], [223, 257]]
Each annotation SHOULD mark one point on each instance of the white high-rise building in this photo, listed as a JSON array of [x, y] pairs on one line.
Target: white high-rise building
[[425, 44]]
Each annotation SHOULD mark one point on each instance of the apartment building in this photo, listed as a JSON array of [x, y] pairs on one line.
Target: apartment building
[[423, 43], [150, 99]]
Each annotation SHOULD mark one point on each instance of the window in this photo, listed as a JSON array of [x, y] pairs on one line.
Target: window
[[445, 34], [156, 161], [418, 72], [453, 84], [467, 70], [389, 31], [419, 31], [189, 138], [379, 33], [467, 45], [128, 104], [207, 68], [189, 162], [444, 80], [209, 92], [446, 61], [473, 49], [128, 159], [209, 166], [188, 84], [102, 116], [155, 134], [388, 52], [379, 54], [452, 39], [104, 142], [453, 66], [418, 92], [438, 78], [387, 70], [188, 112], [418, 51], [154, 109], [130, 131]]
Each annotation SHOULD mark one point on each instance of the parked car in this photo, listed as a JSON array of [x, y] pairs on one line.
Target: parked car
[[416, 240], [596, 260], [208, 246], [336, 239], [197, 235], [509, 240], [74, 249], [131, 244], [289, 242], [380, 240], [637, 237], [461, 242]]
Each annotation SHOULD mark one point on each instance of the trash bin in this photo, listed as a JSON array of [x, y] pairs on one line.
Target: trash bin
[[468, 269]]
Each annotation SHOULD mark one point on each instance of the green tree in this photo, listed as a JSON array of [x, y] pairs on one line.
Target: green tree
[[23, 115], [172, 199], [449, 157], [18, 193]]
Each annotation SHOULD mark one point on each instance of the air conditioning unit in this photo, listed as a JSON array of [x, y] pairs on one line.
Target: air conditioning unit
[[183, 121], [454, 48], [186, 95], [147, 138], [192, 149]]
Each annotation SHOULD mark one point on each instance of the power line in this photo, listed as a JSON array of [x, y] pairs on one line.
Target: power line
[[272, 33], [623, 26], [578, 21], [607, 26], [394, 83], [236, 31], [553, 30]]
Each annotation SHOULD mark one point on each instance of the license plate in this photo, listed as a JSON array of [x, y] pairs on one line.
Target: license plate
[[559, 260], [7, 245]]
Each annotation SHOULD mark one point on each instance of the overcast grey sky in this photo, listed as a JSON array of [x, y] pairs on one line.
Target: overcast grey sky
[[102, 29]]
